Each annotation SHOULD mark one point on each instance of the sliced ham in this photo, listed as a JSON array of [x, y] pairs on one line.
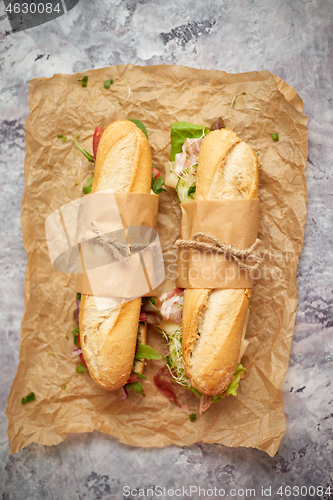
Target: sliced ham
[[163, 382], [205, 402]]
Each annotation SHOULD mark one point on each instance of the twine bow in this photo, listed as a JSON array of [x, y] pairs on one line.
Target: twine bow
[[115, 247], [220, 247]]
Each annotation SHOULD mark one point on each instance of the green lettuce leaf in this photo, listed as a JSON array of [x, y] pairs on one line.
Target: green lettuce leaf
[[75, 332], [157, 184], [81, 368], [141, 126], [146, 352], [180, 132], [137, 388], [195, 391], [87, 188], [232, 389]]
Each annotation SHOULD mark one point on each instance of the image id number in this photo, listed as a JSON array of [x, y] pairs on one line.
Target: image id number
[[304, 491], [33, 8]]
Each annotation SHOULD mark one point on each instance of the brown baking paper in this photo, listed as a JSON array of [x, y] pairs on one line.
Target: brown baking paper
[[135, 209], [233, 222], [158, 95]]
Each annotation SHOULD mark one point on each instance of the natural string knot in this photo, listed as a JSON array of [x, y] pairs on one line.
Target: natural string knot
[[220, 247], [115, 247]]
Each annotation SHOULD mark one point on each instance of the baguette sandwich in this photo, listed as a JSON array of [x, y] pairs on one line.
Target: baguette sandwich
[[205, 352], [112, 341]]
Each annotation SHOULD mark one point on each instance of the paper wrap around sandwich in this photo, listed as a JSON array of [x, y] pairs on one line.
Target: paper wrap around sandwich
[[110, 241]]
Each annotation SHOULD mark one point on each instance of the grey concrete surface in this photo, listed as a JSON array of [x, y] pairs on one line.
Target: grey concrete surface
[[290, 38]]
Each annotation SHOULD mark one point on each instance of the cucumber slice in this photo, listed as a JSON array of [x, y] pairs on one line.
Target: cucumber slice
[[186, 185]]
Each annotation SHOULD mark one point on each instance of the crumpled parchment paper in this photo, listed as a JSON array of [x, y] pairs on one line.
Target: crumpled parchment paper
[[55, 172]]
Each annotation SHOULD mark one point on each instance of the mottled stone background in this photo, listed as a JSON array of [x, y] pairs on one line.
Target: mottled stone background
[[291, 38]]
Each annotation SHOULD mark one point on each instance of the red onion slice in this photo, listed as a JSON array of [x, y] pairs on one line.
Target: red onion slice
[[77, 352], [125, 394]]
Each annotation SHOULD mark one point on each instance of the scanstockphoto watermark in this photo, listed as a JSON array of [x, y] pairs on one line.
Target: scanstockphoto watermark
[[206, 265], [187, 492], [280, 491], [26, 14]]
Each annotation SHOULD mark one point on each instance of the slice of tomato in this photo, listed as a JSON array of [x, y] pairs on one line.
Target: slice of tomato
[[156, 173], [143, 316], [82, 359], [97, 137], [133, 378], [80, 355]]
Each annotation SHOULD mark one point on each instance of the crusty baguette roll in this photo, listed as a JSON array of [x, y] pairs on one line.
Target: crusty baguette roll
[[108, 338], [213, 320]]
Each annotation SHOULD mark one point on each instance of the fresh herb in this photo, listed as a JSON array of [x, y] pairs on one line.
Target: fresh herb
[[76, 184], [81, 368], [87, 188], [75, 332], [146, 352], [137, 387], [192, 417], [191, 191], [83, 151], [139, 375], [107, 83], [78, 296], [140, 125], [243, 93], [180, 132], [120, 103], [63, 387], [152, 300], [84, 81], [62, 137], [30, 397], [66, 337], [157, 184], [275, 136]]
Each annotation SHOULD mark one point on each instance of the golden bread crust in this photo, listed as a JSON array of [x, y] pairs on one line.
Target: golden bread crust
[[213, 320], [108, 338]]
